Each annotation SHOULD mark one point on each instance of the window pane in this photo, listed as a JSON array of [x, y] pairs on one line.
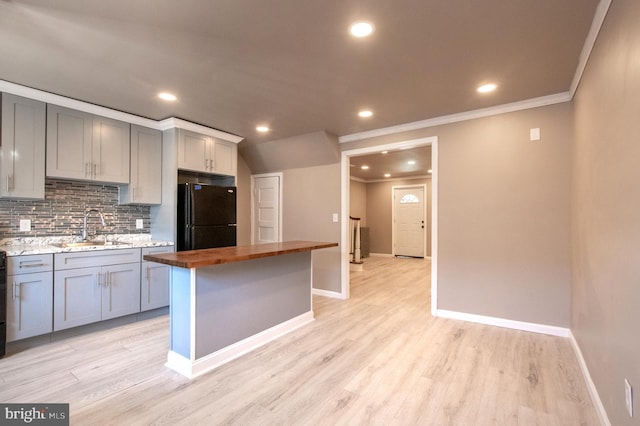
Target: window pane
[[409, 198]]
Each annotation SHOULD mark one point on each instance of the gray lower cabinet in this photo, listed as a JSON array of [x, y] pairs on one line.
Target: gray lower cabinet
[[29, 296], [95, 286], [155, 280]]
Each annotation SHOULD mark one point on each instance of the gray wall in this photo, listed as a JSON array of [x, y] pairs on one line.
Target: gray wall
[[504, 245], [311, 195], [379, 207], [358, 201], [310, 165], [605, 306]]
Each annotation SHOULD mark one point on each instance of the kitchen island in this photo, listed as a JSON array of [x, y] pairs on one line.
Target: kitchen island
[[228, 301]]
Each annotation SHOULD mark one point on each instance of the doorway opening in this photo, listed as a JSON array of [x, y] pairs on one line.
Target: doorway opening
[[345, 201]]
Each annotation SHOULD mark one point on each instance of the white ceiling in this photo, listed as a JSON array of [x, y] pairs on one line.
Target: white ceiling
[[291, 64]]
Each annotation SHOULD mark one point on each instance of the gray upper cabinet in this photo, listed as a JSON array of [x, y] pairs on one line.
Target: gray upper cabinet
[[86, 147], [22, 148], [225, 158], [206, 154], [145, 183]]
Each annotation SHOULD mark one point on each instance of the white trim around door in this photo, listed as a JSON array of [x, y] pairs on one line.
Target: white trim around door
[[253, 201], [345, 181]]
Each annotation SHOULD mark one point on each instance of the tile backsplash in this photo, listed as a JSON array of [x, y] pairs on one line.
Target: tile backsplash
[[62, 210]]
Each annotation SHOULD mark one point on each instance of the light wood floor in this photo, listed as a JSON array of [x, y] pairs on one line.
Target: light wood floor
[[378, 358]]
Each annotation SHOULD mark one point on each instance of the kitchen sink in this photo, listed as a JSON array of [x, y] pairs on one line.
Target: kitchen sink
[[90, 244]]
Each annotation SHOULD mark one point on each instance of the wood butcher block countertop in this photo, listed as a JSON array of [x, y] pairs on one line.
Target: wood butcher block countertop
[[218, 256]]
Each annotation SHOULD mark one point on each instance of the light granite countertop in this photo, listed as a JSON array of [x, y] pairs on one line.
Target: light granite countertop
[[46, 245]]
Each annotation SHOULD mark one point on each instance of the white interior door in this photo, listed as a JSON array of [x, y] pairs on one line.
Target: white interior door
[[266, 222], [409, 221]]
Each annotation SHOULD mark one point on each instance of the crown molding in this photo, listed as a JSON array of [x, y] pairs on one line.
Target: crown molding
[[173, 122], [50, 98], [589, 43], [462, 116]]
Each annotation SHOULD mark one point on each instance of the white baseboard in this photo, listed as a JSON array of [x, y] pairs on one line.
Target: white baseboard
[[194, 368], [593, 392], [380, 255], [505, 323], [327, 293]]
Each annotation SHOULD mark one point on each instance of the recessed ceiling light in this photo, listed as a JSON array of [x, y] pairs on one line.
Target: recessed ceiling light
[[361, 29], [262, 129], [364, 167], [411, 162], [387, 175], [429, 171], [165, 96], [365, 113], [486, 88], [385, 152]]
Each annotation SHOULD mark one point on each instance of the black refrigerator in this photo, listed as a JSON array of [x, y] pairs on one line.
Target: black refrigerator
[[206, 216]]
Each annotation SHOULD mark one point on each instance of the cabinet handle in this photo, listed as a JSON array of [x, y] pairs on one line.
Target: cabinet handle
[[86, 169], [16, 290], [9, 183], [99, 279], [95, 166], [147, 274], [108, 276], [24, 264]]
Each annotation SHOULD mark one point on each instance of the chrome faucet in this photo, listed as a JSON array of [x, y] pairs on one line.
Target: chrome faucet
[[84, 222]]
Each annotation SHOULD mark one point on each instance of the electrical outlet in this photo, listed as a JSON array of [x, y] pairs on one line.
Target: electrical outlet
[[139, 224], [628, 396], [25, 225]]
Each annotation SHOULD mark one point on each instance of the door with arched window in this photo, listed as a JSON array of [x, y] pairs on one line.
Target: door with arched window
[[409, 221]]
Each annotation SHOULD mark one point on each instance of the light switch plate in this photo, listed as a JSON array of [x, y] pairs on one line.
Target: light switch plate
[[534, 134], [139, 224], [25, 225], [335, 217]]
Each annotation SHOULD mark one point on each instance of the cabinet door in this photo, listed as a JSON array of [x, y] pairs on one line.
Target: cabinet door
[[154, 288], [194, 151], [76, 297], [110, 150], [22, 145], [155, 280], [69, 134], [29, 305], [145, 178], [121, 290], [224, 158]]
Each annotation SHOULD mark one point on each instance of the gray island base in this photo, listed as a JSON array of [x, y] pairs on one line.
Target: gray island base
[[226, 302]]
